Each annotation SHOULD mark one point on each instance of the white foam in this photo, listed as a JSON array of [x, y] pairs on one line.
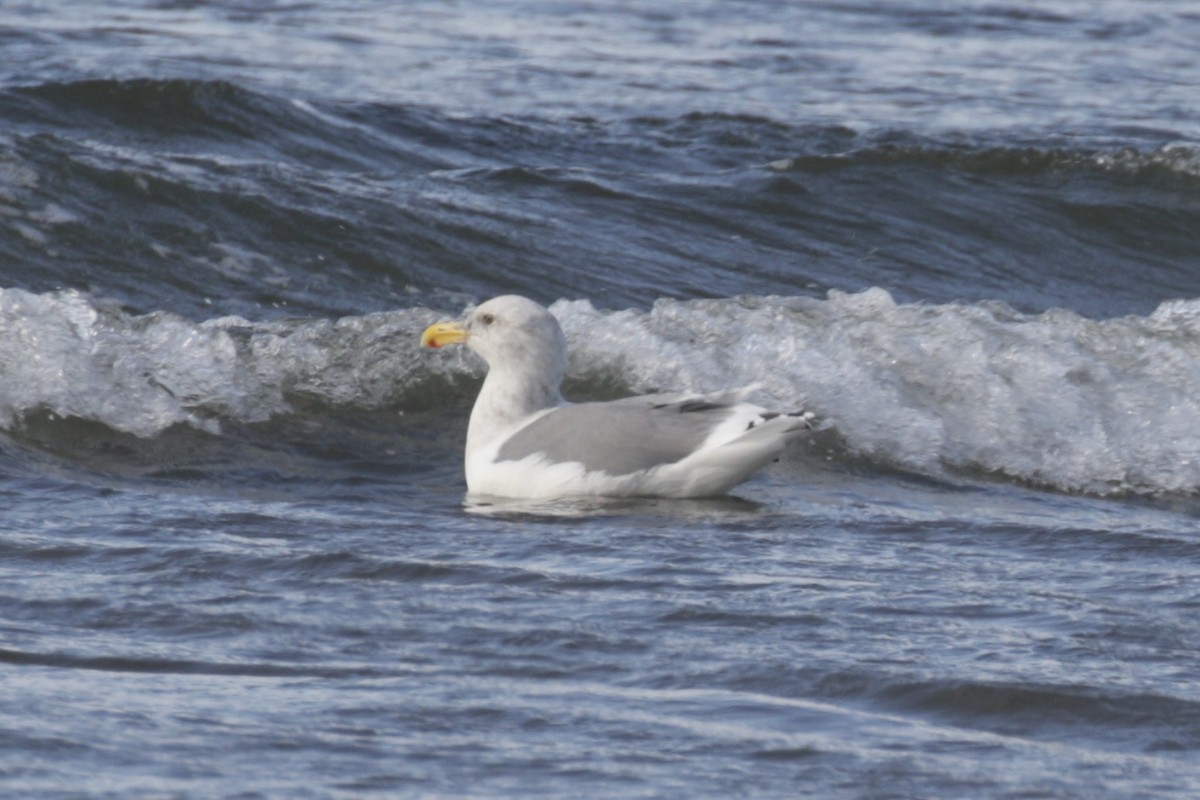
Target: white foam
[[1054, 399], [63, 355]]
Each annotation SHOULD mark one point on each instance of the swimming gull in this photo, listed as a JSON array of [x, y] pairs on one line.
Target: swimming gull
[[525, 441]]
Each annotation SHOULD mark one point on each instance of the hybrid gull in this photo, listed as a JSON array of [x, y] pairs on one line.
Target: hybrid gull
[[525, 441]]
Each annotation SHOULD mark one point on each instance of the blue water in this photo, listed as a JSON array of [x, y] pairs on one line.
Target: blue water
[[236, 555]]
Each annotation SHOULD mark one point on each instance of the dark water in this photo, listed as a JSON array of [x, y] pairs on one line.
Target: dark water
[[236, 559]]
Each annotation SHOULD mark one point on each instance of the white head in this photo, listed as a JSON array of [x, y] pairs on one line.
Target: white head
[[513, 334]]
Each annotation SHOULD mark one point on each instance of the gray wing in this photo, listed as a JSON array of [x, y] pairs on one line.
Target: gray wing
[[620, 437]]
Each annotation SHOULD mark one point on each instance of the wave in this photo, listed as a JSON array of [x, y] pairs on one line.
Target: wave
[[1053, 399], [354, 135], [65, 356], [205, 197], [187, 116], [1178, 163]]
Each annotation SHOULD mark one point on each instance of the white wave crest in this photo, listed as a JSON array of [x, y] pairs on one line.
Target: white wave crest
[[1054, 399], [64, 355]]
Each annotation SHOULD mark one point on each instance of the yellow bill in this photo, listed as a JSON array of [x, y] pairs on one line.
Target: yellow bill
[[441, 334]]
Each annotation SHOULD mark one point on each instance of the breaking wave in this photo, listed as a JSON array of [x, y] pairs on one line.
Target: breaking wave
[[1051, 399]]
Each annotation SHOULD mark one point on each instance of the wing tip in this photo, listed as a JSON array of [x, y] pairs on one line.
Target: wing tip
[[801, 420]]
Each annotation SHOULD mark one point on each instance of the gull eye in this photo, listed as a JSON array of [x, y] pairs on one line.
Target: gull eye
[[487, 319]]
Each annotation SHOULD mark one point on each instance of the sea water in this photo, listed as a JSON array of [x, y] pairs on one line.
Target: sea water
[[236, 555]]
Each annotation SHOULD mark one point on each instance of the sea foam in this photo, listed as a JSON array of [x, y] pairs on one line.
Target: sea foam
[[1051, 399], [1054, 399]]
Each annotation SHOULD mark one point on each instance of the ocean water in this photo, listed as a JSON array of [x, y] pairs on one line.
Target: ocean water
[[236, 554]]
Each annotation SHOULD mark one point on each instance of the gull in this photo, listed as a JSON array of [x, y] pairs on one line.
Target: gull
[[525, 441]]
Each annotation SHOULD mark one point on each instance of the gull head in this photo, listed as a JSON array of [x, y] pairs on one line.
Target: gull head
[[510, 333]]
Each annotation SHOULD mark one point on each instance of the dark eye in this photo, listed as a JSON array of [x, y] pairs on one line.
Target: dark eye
[[487, 319]]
